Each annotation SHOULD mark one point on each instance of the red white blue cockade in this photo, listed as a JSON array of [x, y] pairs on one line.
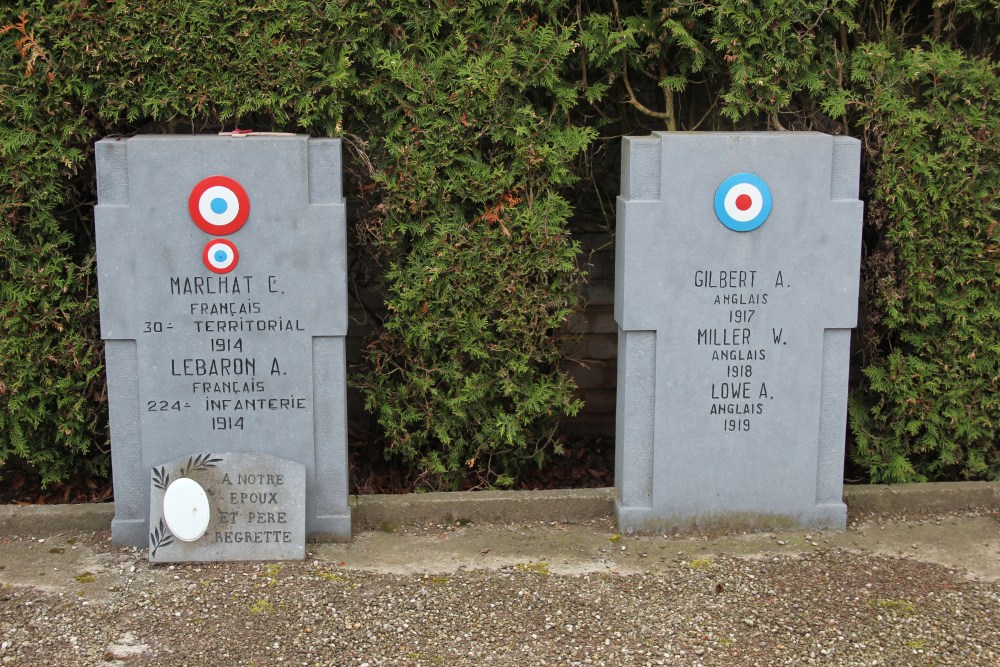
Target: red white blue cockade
[[219, 205], [220, 256], [743, 202]]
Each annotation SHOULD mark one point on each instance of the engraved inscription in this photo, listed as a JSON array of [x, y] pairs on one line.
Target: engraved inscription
[[230, 337], [738, 340], [254, 514]]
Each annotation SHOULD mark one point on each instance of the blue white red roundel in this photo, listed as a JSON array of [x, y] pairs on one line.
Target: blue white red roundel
[[220, 256], [743, 202], [219, 205]]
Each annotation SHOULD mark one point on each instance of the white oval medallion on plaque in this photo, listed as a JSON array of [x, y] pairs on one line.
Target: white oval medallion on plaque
[[185, 509]]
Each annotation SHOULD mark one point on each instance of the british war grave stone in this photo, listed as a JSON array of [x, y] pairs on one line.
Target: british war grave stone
[[222, 285], [737, 270]]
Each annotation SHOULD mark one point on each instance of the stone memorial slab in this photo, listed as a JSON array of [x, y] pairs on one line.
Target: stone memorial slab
[[227, 506], [737, 269], [223, 296]]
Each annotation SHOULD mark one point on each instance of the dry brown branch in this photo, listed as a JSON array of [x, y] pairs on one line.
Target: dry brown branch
[[26, 44]]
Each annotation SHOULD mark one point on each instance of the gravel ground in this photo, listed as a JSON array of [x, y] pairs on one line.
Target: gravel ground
[[829, 606]]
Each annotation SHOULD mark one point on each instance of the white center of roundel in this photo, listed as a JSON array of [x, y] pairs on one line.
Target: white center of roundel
[[185, 509], [218, 205], [756, 202]]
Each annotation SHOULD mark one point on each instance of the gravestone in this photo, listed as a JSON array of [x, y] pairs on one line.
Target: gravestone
[[737, 268], [223, 298], [227, 506]]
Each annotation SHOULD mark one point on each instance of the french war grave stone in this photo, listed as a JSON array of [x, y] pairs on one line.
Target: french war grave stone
[[223, 298], [737, 269]]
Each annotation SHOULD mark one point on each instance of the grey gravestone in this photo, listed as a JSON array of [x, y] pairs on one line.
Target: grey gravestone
[[737, 262], [254, 509], [222, 284]]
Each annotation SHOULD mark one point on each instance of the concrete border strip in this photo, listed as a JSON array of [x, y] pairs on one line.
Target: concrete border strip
[[916, 499], [563, 505], [50, 519]]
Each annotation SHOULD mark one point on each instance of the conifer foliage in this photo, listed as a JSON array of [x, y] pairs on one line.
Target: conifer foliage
[[470, 127], [929, 405], [472, 141]]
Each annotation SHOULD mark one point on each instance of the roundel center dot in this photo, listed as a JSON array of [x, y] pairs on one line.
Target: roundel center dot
[[744, 202], [220, 255], [218, 205]]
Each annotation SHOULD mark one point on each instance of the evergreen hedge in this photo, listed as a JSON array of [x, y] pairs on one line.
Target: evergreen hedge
[[929, 408], [468, 126], [471, 134]]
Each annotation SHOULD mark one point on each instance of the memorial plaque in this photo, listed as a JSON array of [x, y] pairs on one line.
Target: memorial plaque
[[737, 267], [228, 506], [222, 284]]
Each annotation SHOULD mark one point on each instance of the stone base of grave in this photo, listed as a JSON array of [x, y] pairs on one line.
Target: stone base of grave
[[644, 520], [330, 528], [129, 531]]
